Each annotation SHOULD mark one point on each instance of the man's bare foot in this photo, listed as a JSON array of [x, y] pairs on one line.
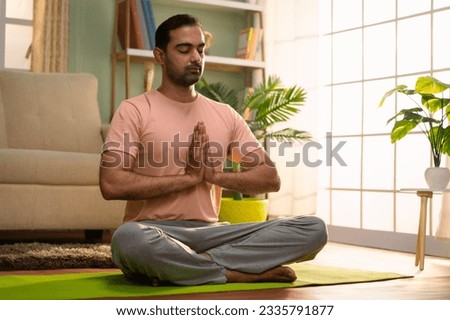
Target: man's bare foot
[[142, 279], [277, 274], [154, 282]]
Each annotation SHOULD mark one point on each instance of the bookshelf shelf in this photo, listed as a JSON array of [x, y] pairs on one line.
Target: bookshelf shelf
[[214, 63], [221, 5]]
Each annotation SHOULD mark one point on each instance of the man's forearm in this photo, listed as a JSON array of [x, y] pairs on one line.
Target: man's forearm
[[128, 185], [255, 180]]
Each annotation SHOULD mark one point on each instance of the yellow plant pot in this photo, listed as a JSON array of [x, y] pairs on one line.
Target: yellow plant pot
[[246, 210]]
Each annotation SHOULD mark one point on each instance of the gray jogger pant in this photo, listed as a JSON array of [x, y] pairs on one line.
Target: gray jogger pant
[[172, 250]]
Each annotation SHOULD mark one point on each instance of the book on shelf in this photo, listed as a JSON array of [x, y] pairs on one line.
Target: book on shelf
[[143, 26], [136, 40], [249, 43], [149, 18], [257, 54], [243, 42]]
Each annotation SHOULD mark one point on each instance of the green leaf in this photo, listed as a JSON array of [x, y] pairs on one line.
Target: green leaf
[[273, 103], [430, 120], [433, 103], [399, 88], [446, 142], [436, 136], [287, 135], [408, 114], [218, 92], [430, 85], [238, 196], [401, 129]]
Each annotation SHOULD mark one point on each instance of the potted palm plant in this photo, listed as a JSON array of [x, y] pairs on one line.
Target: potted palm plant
[[267, 104], [431, 116]]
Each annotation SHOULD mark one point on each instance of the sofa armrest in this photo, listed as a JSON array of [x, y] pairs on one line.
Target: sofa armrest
[[47, 167]]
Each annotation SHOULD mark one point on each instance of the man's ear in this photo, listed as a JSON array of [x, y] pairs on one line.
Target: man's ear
[[159, 55]]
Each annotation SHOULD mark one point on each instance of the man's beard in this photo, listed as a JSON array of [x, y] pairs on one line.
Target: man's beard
[[190, 76]]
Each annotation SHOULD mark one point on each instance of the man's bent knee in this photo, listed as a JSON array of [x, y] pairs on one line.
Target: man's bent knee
[[130, 240], [314, 228], [321, 232]]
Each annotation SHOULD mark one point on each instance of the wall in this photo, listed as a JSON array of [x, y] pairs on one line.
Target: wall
[[90, 42]]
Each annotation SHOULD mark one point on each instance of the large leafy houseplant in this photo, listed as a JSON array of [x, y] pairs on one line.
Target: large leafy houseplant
[[263, 106], [431, 115]]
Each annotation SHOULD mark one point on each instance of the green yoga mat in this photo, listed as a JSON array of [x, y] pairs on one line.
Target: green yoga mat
[[95, 285]]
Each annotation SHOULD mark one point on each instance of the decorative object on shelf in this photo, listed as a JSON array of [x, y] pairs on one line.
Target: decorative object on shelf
[[268, 104], [431, 116], [209, 39], [150, 72]]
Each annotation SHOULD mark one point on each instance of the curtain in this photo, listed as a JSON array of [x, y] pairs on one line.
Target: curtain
[[50, 44], [443, 230]]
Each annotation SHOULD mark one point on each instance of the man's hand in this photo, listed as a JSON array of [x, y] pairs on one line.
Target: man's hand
[[196, 154], [259, 174], [209, 165]]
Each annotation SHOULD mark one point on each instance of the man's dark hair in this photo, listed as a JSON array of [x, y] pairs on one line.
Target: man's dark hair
[[162, 35]]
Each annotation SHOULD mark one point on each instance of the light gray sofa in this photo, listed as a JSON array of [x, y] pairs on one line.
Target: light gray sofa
[[50, 143]]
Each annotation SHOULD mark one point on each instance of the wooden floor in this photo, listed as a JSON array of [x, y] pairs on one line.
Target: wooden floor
[[431, 283]]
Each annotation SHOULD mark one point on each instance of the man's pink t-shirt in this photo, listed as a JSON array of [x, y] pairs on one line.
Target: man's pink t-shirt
[[157, 132]]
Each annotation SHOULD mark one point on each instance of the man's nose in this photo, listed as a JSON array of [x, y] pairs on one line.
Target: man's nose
[[196, 56]]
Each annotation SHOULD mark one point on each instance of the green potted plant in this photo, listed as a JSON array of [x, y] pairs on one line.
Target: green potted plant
[[262, 107], [431, 115]]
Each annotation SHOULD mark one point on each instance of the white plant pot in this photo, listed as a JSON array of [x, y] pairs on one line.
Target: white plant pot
[[437, 178]]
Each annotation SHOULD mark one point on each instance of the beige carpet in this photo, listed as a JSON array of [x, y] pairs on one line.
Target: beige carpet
[[44, 256]]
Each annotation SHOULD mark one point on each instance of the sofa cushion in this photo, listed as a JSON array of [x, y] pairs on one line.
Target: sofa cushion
[[24, 166], [51, 111], [50, 207]]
